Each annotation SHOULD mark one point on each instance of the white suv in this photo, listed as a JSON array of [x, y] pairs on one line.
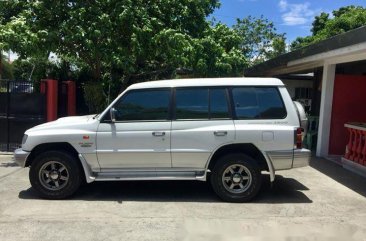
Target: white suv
[[225, 130]]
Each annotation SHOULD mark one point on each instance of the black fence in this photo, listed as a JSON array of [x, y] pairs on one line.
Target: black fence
[[21, 107]]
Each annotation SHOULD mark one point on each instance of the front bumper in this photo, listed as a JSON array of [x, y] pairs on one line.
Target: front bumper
[[301, 158], [20, 157]]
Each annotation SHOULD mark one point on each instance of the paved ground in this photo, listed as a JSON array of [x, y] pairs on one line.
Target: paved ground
[[320, 202]]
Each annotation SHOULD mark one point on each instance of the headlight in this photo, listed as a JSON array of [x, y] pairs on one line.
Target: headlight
[[25, 137]]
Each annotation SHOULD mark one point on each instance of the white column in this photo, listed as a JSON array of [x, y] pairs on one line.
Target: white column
[[325, 109]]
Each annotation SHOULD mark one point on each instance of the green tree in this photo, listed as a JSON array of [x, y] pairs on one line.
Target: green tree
[[344, 19], [300, 42], [347, 20], [319, 23], [342, 10], [34, 69], [217, 53], [6, 69], [135, 37], [115, 43], [259, 39]]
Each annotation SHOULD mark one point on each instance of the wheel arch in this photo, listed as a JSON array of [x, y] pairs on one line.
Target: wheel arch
[[55, 146], [249, 149]]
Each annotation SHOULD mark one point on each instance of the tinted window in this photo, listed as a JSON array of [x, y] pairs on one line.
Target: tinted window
[[201, 103], [258, 103], [191, 104], [218, 104], [270, 104], [143, 105], [246, 104]]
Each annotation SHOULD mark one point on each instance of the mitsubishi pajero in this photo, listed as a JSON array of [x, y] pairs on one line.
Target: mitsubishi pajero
[[226, 131]]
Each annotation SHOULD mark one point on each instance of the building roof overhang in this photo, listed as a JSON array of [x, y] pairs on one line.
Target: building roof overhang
[[343, 48]]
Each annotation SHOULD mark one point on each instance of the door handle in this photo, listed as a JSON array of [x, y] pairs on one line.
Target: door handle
[[158, 133], [220, 133]]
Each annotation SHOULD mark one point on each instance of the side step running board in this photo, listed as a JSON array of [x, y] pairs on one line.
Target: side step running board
[[126, 176], [140, 175]]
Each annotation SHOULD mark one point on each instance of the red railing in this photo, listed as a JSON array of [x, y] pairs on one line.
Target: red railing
[[356, 147]]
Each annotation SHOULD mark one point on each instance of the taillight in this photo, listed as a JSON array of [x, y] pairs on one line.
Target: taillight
[[298, 138]]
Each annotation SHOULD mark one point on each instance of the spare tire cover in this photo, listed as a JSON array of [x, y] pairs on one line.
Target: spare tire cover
[[302, 116]]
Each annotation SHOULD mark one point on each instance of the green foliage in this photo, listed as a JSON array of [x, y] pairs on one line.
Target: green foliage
[[348, 20], [259, 40], [345, 19], [94, 96], [6, 71], [135, 37], [217, 53], [300, 42], [319, 23], [113, 43], [33, 69], [346, 9]]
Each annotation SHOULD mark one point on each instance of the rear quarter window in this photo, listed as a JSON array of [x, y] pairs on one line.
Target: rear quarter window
[[258, 103]]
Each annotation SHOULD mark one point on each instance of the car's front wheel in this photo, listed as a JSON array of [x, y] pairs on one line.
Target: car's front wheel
[[55, 175], [236, 178]]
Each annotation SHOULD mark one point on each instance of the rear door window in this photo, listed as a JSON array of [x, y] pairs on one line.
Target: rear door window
[[191, 104], [201, 103]]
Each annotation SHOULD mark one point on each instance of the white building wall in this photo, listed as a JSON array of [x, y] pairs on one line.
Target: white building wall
[[291, 84]]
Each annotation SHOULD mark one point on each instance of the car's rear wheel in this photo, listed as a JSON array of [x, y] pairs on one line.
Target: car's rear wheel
[[236, 178], [55, 175]]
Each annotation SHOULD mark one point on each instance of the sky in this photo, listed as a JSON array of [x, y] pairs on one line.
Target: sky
[[293, 17]]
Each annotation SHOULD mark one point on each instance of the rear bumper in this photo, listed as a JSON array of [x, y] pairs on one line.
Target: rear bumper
[[301, 158], [20, 157]]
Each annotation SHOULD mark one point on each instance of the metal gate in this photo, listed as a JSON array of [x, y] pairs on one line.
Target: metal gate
[[21, 107]]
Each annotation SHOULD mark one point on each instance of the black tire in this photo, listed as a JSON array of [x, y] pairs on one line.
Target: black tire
[[239, 163], [68, 168]]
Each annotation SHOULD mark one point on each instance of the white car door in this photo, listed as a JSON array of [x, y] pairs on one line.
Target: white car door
[[139, 138], [202, 123]]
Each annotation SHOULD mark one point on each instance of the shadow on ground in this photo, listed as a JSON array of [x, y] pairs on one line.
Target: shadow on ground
[[340, 175], [284, 190]]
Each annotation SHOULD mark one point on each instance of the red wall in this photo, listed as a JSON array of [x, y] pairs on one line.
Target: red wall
[[349, 105]]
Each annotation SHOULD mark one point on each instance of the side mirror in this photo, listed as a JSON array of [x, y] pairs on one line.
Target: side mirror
[[112, 113]]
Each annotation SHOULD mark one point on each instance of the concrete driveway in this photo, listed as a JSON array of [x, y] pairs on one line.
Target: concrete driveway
[[319, 202]]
